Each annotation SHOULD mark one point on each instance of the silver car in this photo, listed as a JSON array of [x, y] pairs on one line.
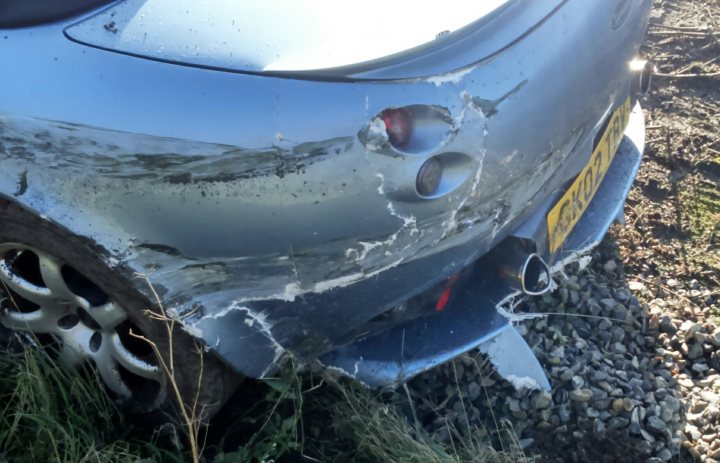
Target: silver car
[[372, 186]]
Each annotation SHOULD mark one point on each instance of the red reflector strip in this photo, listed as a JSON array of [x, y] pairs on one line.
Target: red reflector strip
[[444, 298]]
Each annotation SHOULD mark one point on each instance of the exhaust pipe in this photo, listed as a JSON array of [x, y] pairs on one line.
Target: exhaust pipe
[[523, 270], [644, 71]]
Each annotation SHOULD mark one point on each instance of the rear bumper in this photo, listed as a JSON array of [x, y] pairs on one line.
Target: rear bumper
[[258, 214], [482, 308]]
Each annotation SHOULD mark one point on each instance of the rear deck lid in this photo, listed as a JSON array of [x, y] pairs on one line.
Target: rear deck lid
[[274, 35]]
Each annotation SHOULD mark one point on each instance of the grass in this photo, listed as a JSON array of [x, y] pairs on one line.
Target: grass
[[381, 433], [702, 208], [52, 414], [700, 204]]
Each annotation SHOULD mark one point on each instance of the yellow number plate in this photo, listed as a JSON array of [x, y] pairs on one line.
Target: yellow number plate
[[568, 210]]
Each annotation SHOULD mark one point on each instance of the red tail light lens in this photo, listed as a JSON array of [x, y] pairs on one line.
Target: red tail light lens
[[399, 126]]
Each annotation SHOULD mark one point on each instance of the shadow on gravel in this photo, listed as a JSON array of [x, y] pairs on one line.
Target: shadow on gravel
[[620, 372]]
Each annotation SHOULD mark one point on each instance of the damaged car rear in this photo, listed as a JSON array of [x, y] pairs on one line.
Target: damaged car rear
[[374, 187]]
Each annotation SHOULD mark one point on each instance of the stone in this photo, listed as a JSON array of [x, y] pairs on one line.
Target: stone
[[567, 375], [666, 411], [686, 382], [700, 337], [712, 412], [598, 375], [620, 313], [635, 416], [667, 325], [636, 383], [474, 390], [636, 286], [605, 386], [581, 395], [700, 368], [674, 403], [578, 382], [647, 436], [695, 351], [602, 404], [604, 325], [513, 404], [599, 394], [564, 413], [619, 405], [690, 328], [664, 455], [695, 453], [692, 432], [610, 266], [617, 422], [598, 427], [608, 303], [655, 423], [714, 338], [618, 333], [542, 400], [574, 297], [622, 295]]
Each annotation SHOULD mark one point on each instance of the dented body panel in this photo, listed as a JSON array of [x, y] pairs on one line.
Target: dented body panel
[[270, 213]]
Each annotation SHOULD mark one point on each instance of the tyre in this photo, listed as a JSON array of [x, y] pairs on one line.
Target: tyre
[[59, 293]]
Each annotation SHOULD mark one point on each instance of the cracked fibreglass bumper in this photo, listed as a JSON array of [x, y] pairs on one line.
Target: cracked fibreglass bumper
[[267, 220], [482, 315]]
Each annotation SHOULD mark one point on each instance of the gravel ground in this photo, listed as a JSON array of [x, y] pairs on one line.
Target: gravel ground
[[632, 347], [631, 381]]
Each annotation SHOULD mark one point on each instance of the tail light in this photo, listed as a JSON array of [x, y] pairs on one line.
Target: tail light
[[399, 126]]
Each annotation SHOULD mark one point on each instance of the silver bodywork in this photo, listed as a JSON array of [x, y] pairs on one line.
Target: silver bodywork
[[278, 35], [268, 210]]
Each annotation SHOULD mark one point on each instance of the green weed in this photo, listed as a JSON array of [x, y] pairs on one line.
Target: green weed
[[51, 414]]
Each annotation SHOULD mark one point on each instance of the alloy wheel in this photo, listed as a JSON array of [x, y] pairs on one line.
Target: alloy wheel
[[65, 310]]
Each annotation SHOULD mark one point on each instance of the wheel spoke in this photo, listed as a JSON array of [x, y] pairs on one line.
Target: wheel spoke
[[51, 271], [36, 294], [38, 321], [131, 362], [111, 377], [108, 315]]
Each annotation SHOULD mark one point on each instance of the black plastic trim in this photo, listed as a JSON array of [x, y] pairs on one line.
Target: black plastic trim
[[24, 13]]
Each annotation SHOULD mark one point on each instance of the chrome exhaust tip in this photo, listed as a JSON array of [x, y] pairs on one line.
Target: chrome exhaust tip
[[535, 276], [523, 270], [644, 71]]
